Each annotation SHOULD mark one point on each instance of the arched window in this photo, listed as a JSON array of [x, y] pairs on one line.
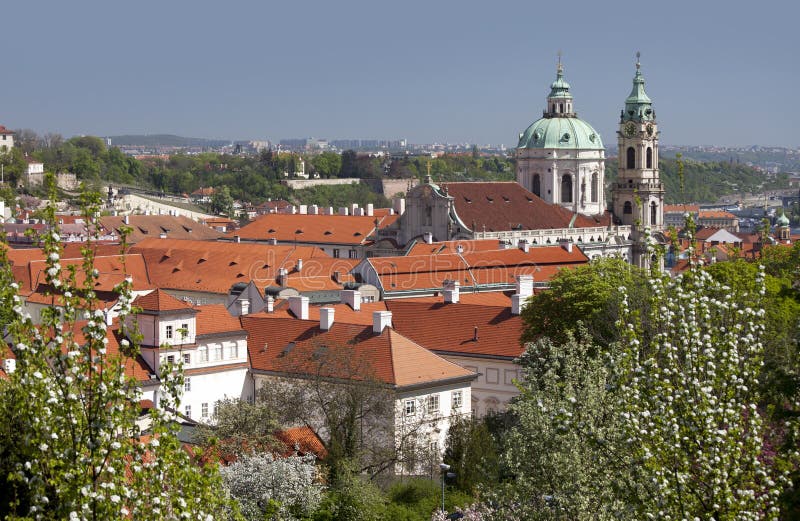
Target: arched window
[[595, 187], [653, 212], [561, 107], [631, 158], [566, 189], [649, 157], [428, 216], [537, 185], [628, 208]]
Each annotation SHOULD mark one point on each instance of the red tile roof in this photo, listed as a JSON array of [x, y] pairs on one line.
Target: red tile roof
[[318, 229], [158, 301], [213, 319], [4, 130], [145, 226], [505, 206], [450, 328], [302, 440], [681, 208], [716, 214], [214, 267], [467, 246], [290, 346]]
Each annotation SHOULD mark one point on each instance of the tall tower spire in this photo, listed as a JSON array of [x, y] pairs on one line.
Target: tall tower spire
[[559, 101], [638, 193]]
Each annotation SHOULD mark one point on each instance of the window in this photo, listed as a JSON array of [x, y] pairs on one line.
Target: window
[[595, 187], [653, 213], [187, 359], [628, 208], [187, 384], [203, 352], [204, 410], [410, 407], [458, 399], [336, 253], [537, 185], [169, 332], [649, 157], [428, 216], [566, 189], [188, 410], [171, 359], [184, 330], [631, 156], [216, 352], [234, 350], [353, 254], [433, 403]]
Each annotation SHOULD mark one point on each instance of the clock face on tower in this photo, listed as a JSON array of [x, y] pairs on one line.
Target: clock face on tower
[[630, 129]]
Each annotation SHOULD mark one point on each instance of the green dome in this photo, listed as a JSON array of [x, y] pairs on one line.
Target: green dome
[[782, 221], [569, 133]]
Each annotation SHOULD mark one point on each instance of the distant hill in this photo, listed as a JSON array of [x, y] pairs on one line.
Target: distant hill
[[166, 140]]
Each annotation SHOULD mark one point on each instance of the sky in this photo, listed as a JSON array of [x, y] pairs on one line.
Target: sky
[[718, 72]]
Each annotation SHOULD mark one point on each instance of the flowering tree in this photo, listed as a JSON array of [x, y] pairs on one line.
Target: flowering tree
[[287, 488], [688, 402], [70, 441]]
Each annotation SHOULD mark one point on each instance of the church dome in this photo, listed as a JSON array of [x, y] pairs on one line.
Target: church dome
[[569, 133], [782, 221]]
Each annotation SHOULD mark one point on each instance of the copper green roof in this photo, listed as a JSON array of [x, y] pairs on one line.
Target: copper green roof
[[560, 88], [638, 106], [567, 132], [782, 221]]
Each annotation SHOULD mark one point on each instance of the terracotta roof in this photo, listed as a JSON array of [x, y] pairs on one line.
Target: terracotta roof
[[212, 319], [214, 267], [318, 274], [4, 130], [343, 313], [487, 267], [716, 214], [209, 190], [450, 328], [158, 301], [145, 226], [136, 368], [273, 205], [290, 346], [318, 229], [505, 206], [681, 208], [302, 440]]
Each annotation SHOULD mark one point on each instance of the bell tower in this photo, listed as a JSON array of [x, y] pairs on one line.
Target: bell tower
[[638, 194]]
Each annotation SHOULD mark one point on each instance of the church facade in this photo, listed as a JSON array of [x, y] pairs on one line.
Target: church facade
[[560, 193]]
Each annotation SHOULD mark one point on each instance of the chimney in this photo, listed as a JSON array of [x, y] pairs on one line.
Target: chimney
[[9, 365], [269, 304], [460, 248], [326, 318], [518, 303], [370, 209], [428, 237], [299, 306], [475, 334], [342, 210], [567, 245], [451, 291], [237, 238], [524, 245], [399, 205], [282, 276], [299, 265], [303, 209], [127, 219], [162, 235], [293, 209], [381, 320], [243, 306], [330, 210], [109, 317], [352, 298], [313, 209], [353, 209], [525, 286]]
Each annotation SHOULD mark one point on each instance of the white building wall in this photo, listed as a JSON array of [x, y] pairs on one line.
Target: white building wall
[[494, 387], [206, 389]]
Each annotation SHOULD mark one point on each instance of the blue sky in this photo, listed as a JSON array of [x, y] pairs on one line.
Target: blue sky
[[466, 71]]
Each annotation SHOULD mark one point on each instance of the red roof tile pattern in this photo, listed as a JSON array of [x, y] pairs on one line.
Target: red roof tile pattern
[[312, 229], [681, 208], [302, 441], [467, 246], [4, 130], [145, 226], [291, 346], [716, 214], [483, 267], [214, 319], [505, 206], [450, 328], [159, 301], [343, 313], [112, 269], [212, 266]]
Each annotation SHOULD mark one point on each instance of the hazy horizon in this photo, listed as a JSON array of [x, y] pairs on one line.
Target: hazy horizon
[[427, 72]]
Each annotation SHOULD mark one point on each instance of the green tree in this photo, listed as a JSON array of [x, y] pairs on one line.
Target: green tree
[[470, 452], [222, 202], [327, 164], [71, 446], [239, 427]]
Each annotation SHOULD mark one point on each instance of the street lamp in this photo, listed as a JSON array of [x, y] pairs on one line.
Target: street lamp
[[444, 467]]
